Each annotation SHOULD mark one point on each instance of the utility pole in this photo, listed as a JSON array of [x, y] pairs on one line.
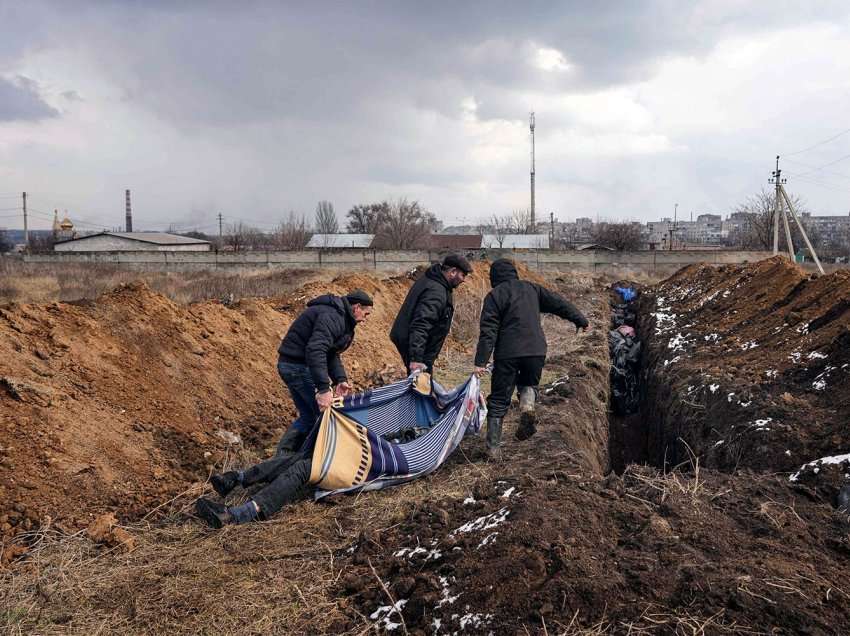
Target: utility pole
[[783, 200], [26, 227], [531, 128], [674, 226], [777, 204]]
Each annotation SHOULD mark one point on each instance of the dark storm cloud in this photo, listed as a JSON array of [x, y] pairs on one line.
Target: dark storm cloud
[[20, 101]]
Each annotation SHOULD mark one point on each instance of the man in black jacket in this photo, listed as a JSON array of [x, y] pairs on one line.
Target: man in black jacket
[[309, 360], [425, 317], [511, 331]]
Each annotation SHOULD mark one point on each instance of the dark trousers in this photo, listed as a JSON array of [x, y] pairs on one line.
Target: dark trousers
[[298, 380], [507, 375], [284, 481]]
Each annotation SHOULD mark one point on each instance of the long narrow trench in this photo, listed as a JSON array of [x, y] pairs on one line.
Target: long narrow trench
[[627, 429]]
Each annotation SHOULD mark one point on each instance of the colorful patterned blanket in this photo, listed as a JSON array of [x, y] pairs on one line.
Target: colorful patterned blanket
[[392, 434]]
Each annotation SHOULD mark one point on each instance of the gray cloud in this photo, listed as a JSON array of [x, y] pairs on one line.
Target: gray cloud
[[20, 101], [274, 106]]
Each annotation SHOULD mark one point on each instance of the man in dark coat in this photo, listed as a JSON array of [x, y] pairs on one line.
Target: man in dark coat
[[308, 364], [309, 360], [511, 331], [425, 317]]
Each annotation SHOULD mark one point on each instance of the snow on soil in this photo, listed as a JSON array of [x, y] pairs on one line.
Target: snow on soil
[[817, 463]]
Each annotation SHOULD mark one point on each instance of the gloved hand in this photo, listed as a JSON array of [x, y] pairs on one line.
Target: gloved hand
[[417, 366]]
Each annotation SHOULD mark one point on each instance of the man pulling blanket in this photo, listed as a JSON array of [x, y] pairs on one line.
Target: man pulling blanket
[[367, 441]]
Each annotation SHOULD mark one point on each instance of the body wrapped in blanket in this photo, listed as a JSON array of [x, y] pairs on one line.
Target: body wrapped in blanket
[[371, 440]]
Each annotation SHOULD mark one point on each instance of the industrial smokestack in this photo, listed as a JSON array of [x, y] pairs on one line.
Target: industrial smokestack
[[128, 221]]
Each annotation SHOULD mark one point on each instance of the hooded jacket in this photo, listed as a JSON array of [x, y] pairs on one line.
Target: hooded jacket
[[317, 337], [424, 319], [510, 319]]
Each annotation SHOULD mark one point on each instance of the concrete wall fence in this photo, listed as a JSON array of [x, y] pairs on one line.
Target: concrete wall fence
[[601, 261]]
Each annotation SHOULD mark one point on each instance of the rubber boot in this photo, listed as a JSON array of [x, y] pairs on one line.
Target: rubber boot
[[226, 482], [527, 417], [291, 441], [494, 438]]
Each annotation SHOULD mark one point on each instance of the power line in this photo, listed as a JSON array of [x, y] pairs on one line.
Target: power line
[[826, 165], [820, 143], [829, 172]]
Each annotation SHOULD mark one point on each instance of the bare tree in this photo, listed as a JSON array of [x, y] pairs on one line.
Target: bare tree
[[241, 236], [500, 227], [618, 236], [291, 234], [759, 209], [326, 222], [521, 222], [368, 218], [405, 225]]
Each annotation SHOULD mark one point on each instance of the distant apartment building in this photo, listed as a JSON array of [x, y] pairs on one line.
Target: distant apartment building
[[833, 232]]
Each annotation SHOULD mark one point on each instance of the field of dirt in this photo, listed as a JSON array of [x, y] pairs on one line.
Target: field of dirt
[[750, 367], [123, 405]]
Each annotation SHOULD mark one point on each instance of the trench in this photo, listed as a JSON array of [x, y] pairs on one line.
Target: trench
[[627, 433]]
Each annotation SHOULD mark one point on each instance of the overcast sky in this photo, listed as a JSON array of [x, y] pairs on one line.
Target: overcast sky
[[253, 109]]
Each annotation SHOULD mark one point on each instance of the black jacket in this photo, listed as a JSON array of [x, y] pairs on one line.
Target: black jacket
[[317, 337], [424, 319], [510, 318]]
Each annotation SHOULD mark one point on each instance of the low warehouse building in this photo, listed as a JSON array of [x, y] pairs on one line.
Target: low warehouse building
[[133, 242]]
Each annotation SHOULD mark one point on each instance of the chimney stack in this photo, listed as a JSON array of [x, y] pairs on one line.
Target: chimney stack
[[129, 216]]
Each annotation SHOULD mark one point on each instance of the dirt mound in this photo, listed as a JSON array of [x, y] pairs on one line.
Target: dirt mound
[[749, 365], [120, 403]]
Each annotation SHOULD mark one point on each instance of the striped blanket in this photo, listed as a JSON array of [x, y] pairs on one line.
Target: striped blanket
[[360, 444]]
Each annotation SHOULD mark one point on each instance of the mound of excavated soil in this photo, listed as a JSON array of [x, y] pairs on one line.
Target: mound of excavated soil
[[118, 404], [749, 365]]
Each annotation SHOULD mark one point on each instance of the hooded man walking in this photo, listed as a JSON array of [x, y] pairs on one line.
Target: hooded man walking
[[425, 317], [510, 330], [309, 359]]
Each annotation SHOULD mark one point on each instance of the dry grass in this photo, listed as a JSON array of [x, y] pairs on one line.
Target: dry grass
[[40, 283], [278, 576]]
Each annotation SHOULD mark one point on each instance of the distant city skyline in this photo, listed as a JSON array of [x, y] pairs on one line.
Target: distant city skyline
[[255, 110]]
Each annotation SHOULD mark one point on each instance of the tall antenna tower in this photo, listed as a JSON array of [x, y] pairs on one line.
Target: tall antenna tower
[[531, 128], [128, 215], [781, 197]]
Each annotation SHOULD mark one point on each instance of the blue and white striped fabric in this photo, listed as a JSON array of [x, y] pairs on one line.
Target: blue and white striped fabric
[[351, 454]]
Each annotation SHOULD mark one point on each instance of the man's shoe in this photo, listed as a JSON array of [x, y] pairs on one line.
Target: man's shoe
[[527, 426], [214, 514], [224, 483]]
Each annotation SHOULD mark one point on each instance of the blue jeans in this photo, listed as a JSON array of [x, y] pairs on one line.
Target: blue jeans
[[303, 391]]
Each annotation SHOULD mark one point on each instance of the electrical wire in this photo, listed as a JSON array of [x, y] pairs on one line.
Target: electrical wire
[[820, 143]]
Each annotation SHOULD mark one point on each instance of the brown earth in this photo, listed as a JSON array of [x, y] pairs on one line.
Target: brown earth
[[541, 543], [749, 365]]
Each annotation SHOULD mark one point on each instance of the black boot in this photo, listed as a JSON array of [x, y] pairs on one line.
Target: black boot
[[527, 418], [494, 438], [291, 441], [223, 484], [214, 514]]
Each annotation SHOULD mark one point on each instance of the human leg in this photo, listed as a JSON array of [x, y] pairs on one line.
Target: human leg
[[528, 378], [502, 384], [303, 391]]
